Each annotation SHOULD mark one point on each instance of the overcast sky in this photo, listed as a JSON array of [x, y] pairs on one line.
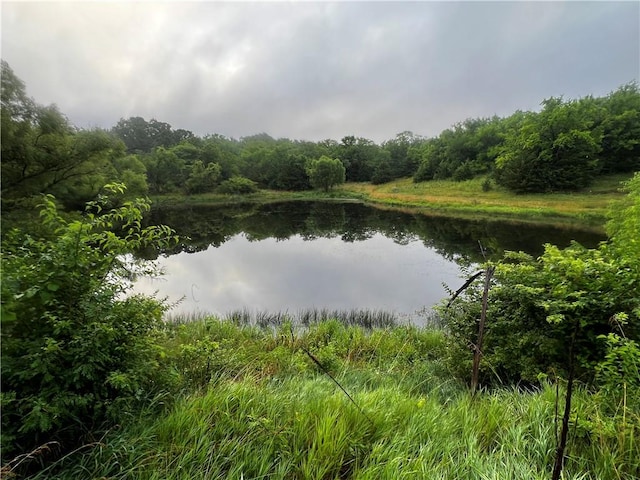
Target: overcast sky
[[316, 70]]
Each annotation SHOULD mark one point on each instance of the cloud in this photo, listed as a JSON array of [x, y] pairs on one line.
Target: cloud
[[316, 70]]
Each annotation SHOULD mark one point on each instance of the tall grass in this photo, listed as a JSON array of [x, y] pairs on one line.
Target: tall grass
[[360, 317], [366, 318], [254, 405]]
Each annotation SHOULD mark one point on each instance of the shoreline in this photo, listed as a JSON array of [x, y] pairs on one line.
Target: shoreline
[[585, 211]]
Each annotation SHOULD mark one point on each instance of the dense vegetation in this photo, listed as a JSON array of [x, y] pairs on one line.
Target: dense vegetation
[[43, 153], [75, 351], [79, 359], [96, 385], [573, 297], [563, 147]]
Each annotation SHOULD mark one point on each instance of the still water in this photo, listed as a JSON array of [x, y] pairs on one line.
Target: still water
[[297, 255]]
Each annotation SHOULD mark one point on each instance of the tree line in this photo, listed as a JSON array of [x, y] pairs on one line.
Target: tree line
[[564, 146]]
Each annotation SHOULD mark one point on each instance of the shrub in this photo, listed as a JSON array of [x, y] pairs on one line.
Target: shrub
[[238, 185], [539, 307], [463, 172], [75, 350], [618, 374]]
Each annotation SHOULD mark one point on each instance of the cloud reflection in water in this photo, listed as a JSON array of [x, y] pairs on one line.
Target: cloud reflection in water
[[295, 274]]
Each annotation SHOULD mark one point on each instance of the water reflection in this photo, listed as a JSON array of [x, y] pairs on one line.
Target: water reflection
[[294, 274], [204, 226], [296, 255]]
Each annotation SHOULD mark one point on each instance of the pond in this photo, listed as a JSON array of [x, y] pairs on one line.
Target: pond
[[293, 256]]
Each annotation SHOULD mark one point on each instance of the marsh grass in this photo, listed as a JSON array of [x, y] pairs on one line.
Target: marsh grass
[[365, 318], [253, 405]]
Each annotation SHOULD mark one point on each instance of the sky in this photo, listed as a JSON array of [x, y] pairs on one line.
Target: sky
[[315, 70]]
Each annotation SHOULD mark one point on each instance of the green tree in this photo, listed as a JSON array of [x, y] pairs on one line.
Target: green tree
[[621, 130], [556, 149], [623, 227], [223, 151], [187, 152], [43, 153], [383, 172], [359, 156], [141, 136], [166, 172], [202, 179], [287, 171], [403, 161], [462, 152], [432, 157], [76, 351], [93, 154], [325, 172], [133, 173]]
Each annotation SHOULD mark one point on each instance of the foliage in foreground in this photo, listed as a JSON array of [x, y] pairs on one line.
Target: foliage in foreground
[[565, 303], [258, 407], [75, 350]]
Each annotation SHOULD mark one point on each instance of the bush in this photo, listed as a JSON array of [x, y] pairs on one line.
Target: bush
[[238, 185], [463, 172], [76, 351], [382, 173], [618, 374], [539, 307]]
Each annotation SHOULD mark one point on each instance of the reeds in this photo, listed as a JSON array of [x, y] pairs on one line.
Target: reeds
[[365, 318]]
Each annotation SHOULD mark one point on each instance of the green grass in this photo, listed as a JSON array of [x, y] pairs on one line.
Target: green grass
[[360, 317], [262, 196], [254, 405], [468, 199]]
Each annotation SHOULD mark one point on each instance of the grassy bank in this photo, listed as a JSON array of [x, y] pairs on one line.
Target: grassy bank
[[469, 199], [262, 196], [254, 404], [584, 209]]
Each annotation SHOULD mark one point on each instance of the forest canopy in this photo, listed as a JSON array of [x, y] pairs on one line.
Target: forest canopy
[[564, 146]]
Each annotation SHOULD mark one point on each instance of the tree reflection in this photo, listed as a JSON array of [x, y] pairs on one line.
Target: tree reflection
[[202, 226]]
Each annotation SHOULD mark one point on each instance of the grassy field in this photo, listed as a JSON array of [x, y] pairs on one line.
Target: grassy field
[[255, 405], [468, 199]]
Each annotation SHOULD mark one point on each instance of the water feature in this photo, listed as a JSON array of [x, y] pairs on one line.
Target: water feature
[[292, 256]]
